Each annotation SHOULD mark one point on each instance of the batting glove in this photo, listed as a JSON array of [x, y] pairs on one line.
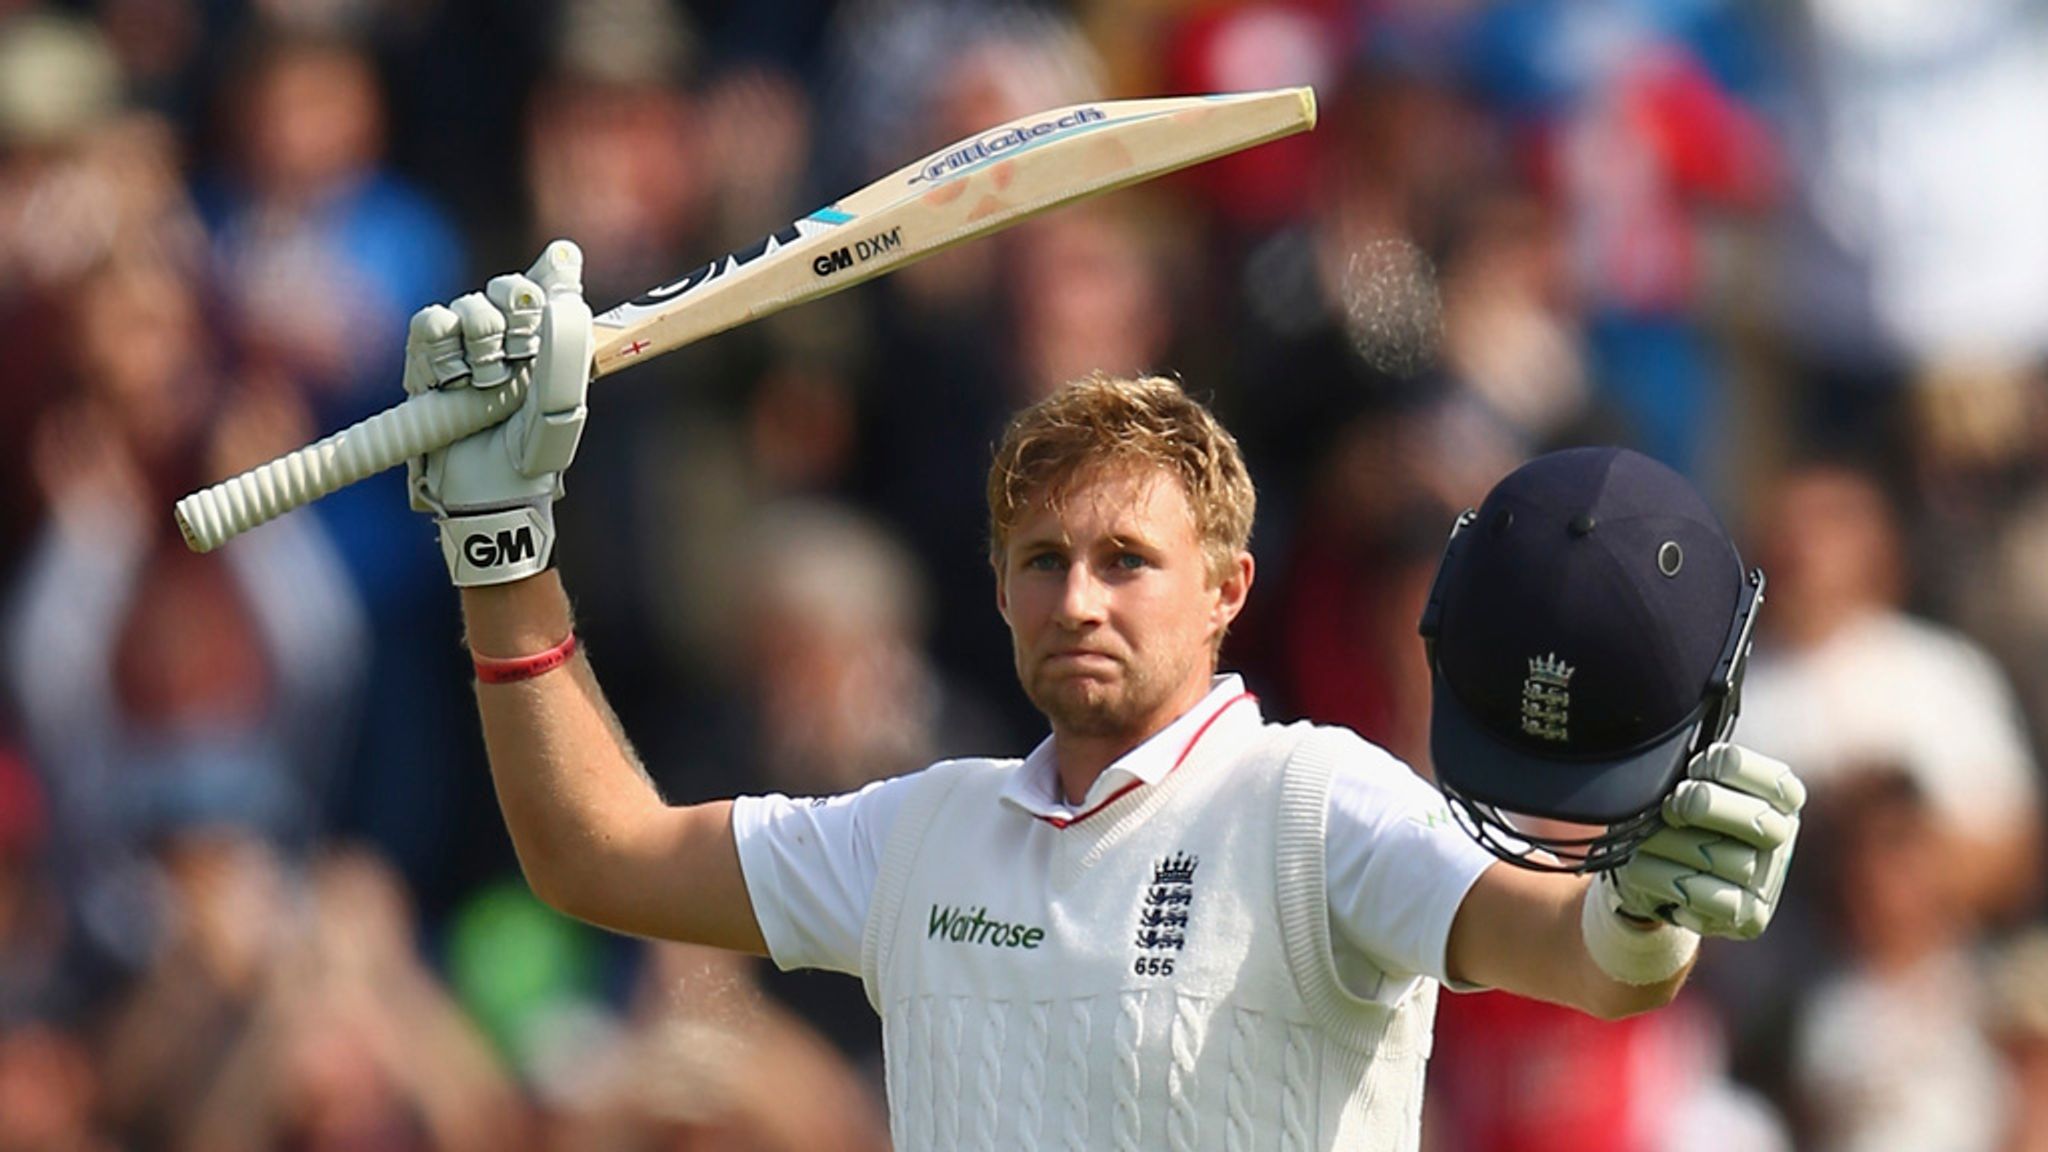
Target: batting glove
[[493, 493], [1718, 865]]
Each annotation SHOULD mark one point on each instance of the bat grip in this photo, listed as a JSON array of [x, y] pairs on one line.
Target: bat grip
[[423, 423]]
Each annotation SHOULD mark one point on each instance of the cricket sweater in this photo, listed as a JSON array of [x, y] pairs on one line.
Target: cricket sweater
[[1158, 974]]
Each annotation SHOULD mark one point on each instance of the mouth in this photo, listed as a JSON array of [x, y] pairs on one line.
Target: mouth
[[1081, 658]]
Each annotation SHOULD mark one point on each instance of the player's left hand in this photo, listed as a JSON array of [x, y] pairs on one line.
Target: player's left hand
[[1718, 865]]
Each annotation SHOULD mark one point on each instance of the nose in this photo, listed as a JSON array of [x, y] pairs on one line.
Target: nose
[[1083, 599]]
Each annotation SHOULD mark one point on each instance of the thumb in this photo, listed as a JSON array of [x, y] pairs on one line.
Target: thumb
[[559, 270]]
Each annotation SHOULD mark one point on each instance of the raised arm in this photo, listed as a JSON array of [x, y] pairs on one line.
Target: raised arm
[[594, 837]]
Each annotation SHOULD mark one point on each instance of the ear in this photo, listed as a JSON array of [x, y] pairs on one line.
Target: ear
[[1232, 592], [1002, 590]]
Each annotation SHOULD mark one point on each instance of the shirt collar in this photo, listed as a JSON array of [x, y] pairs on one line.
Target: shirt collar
[[1034, 786]]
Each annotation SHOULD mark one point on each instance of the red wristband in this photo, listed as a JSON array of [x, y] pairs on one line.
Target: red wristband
[[491, 670]]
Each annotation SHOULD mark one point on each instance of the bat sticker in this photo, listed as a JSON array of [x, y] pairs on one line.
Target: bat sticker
[[660, 298], [1004, 141]]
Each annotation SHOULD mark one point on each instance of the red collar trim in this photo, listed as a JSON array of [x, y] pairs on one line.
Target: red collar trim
[[1076, 818]]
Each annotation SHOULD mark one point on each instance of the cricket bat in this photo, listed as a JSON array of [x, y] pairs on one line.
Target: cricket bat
[[979, 185]]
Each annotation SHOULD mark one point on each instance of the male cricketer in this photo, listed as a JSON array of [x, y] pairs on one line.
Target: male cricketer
[[1173, 924]]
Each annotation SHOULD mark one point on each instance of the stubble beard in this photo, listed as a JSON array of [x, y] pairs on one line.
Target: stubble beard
[[1124, 705]]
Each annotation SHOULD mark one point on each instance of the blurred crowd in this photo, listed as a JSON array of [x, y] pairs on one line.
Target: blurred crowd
[[254, 893]]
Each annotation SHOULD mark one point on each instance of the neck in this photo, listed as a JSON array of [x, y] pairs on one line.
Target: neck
[[1082, 758]]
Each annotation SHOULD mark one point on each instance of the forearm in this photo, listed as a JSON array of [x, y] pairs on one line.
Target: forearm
[[565, 779], [593, 836], [1525, 932]]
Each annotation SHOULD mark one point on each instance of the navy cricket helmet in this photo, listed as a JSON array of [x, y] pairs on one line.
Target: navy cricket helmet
[[1587, 633]]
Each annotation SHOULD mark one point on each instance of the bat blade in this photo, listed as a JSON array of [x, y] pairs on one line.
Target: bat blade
[[972, 188], [977, 186]]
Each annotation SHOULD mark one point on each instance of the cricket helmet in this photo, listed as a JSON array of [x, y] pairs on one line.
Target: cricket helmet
[[1587, 633]]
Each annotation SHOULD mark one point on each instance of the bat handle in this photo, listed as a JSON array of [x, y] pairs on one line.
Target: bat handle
[[212, 517]]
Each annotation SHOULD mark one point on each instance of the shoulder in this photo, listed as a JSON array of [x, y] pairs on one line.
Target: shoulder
[[966, 768], [977, 773], [1350, 756], [1368, 784]]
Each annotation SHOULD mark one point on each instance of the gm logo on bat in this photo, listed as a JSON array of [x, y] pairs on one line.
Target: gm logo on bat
[[859, 252], [507, 547]]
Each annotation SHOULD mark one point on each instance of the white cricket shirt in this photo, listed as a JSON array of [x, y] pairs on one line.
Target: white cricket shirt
[[1398, 864]]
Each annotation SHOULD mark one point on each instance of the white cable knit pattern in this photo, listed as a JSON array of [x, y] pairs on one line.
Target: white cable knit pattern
[[988, 1073], [896, 1045], [1074, 1074], [1031, 1087], [1296, 1101], [948, 1060], [924, 1119], [1130, 1032], [1240, 1092], [1183, 1124]]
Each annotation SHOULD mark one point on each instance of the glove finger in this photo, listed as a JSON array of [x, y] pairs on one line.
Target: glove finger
[[1691, 921], [559, 268], [1772, 869], [1747, 770], [483, 339], [521, 301], [1709, 852], [1719, 808], [433, 350], [1649, 881]]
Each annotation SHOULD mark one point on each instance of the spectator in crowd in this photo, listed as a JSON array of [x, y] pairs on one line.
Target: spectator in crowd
[[49, 1086], [34, 930], [49, 1091], [1889, 1052], [301, 196], [1515, 1075], [1843, 678], [2018, 1021], [708, 1064], [159, 690], [168, 1032], [351, 1042], [81, 178]]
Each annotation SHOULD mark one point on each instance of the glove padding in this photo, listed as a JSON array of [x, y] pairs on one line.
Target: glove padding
[[493, 493], [1718, 865]]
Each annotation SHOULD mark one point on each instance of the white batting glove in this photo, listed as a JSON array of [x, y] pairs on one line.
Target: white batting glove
[[1718, 865], [494, 493]]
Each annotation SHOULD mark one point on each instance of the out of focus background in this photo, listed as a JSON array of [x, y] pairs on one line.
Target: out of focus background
[[254, 892]]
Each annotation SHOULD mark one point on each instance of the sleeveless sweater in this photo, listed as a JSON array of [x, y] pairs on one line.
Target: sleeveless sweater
[[1157, 975]]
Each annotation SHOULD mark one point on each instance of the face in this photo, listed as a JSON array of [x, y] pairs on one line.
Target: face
[[1113, 613]]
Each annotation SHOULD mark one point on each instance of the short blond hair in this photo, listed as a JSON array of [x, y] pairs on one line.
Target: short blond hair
[[1105, 421]]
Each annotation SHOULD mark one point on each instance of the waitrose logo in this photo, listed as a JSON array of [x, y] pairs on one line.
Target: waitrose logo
[[973, 926]]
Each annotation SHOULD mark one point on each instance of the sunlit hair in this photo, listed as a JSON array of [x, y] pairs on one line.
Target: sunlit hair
[[1103, 422]]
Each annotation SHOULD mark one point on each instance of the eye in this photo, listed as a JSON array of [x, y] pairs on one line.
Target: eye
[[1130, 561], [1044, 562]]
